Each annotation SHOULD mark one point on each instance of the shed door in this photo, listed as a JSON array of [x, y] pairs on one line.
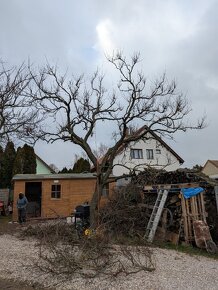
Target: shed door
[[33, 192]]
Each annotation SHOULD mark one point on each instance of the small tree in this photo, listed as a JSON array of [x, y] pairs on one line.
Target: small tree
[[77, 107], [100, 151], [197, 168], [53, 167]]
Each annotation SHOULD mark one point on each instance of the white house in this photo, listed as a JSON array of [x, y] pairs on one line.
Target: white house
[[152, 151]]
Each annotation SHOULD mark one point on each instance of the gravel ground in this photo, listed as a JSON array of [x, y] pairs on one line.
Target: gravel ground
[[174, 270]]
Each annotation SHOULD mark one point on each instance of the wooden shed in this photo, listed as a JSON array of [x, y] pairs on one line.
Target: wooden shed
[[55, 195]]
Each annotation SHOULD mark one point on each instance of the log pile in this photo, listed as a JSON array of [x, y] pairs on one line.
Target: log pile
[[153, 176], [172, 223]]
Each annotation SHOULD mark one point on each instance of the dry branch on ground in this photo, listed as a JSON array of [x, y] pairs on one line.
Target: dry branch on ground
[[86, 257]]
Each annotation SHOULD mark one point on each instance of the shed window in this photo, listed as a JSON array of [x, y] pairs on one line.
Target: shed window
[[136, 154], [56, 191]]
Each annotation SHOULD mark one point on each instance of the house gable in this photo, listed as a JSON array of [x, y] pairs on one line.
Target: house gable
[[152, 151], [42, 167], [210, 168]]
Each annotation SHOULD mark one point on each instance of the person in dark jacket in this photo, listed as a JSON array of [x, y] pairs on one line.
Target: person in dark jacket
[[21, 207]]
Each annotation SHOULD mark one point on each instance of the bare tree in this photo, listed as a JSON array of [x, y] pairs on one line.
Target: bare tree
[[76, 107], [18, 118], [54, 167], [100, 151]]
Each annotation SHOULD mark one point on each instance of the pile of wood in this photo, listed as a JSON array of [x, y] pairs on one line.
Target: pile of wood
[[179, 214], [153, 176]]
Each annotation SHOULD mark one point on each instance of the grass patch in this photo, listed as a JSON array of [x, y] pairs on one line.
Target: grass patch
[[188, 249]]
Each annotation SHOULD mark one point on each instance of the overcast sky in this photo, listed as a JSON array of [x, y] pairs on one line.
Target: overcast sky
[[176, 37]]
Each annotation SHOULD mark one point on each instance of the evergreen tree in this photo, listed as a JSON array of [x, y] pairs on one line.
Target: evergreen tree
[[25, 161], [18, 162], [64, 170], [7, 164], [29, 160], [81, 165]]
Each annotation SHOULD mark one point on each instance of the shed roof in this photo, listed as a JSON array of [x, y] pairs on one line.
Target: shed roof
[[54, 176]]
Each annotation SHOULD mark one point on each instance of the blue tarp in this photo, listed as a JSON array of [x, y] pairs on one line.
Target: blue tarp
[[192, 191]]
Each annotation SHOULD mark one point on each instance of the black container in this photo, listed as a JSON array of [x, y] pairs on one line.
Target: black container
[[82, 211]]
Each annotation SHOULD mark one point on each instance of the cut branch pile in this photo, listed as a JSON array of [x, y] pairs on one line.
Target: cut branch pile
[[124, 217], [62, 253]]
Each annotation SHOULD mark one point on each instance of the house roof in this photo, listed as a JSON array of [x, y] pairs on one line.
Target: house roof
[[54, 176], [44, 163], [214, 162], [143, 128]]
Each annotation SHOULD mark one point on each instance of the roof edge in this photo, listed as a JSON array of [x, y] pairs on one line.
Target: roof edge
[[56, 176]]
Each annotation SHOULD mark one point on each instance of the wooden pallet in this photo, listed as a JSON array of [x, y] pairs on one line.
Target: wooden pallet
[[193, 209]]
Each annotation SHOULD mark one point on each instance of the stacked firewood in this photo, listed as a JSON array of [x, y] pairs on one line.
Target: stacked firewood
[[171, 221], [153, 176]]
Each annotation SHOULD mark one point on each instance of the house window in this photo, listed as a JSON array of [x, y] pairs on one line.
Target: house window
[[158, 151], [56, 191], [105, 191], [136, 154], [150, 154]]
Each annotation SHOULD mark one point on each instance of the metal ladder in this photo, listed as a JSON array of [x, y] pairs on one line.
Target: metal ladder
[[156, 214]]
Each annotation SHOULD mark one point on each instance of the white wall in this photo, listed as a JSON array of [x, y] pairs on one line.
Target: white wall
[[165, 160]]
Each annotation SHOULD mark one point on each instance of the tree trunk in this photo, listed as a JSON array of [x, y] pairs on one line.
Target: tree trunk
[[95, 203]]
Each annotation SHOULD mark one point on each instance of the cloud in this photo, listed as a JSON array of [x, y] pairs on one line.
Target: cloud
[[105, 43], [176, 37]]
